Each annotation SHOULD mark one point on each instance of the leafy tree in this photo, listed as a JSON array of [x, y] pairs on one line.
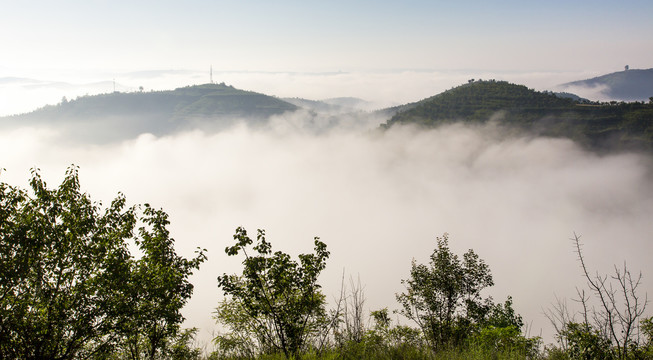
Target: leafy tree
[[161, 288], [276, 304], [584, 342], [646, 327], [69, 287], [503, 315], [443, 298], [60, 265]]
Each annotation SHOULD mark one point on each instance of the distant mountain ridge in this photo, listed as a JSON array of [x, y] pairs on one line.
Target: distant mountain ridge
[[114, 116], [627, 85], [212, 107], [619, 126], [208, 100]]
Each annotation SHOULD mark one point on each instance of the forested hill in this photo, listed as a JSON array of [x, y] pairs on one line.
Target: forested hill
[[614, 126], [119, 115]]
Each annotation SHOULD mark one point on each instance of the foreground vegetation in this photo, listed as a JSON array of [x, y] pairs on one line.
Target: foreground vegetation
[[71, 288]]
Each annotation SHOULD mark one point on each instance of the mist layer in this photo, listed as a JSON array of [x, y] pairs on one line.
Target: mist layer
[[377, 199]]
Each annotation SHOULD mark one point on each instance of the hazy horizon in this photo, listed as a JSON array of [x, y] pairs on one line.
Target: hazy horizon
[[382, 89], [384, 52]]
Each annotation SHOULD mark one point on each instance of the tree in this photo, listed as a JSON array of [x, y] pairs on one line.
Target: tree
[[351, 326], [584, 342], [276, 304], [443, 298], [161, 288], [646, 327], [500, 331], [69, 286], [619, 309]]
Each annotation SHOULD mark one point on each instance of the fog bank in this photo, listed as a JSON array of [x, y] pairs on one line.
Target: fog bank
[[377, 199]]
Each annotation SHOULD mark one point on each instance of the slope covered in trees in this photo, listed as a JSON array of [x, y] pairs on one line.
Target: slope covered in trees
[[120, 115], [620, 126], [208, 100]]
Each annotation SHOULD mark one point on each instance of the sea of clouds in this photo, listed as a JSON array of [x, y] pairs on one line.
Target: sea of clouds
[[378, 199]]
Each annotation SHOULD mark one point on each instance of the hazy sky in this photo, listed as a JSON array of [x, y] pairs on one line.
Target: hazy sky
[[326, 36], [296, 48]]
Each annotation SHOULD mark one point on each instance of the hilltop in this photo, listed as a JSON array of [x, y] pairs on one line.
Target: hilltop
[[627, 85], [599, 126], [118, 115]]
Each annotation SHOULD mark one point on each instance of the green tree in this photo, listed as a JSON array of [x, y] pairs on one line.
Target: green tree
[[160, 288], [276, 304], [503, 315], [646, 327], [586, 343], [69, 287], [443, 297], [500, 332]]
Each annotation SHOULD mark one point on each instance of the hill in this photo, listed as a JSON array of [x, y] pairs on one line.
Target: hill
[[599, 126], [118, 115], [628, 85]]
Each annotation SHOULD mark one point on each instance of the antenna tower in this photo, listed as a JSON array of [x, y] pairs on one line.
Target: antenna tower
[[211, 74]]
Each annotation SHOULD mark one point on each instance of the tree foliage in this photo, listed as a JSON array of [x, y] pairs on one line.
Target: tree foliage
[[161, 287], [444, 297], [69, 286], [276, 304]]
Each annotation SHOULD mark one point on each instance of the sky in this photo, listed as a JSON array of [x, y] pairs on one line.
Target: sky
[[388, 52], [377, 201]]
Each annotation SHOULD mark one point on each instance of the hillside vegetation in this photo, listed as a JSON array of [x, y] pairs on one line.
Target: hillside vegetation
[[213, 107], [599, 126], [118, 115], [208, 100]]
